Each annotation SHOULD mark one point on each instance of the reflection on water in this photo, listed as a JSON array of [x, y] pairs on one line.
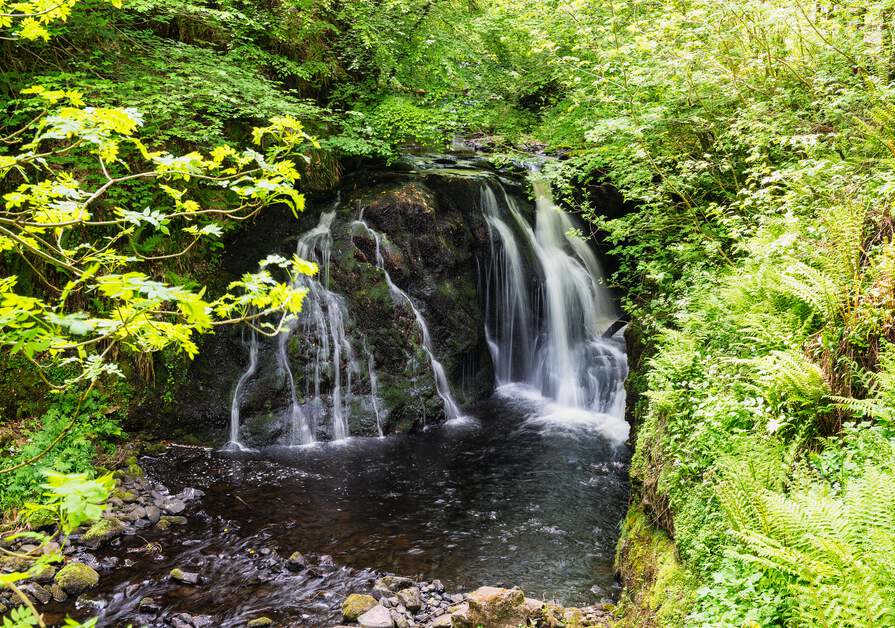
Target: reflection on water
[[506, 499]]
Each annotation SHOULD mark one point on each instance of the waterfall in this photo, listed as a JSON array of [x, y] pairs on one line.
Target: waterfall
[[238, 391], [451, 409], [323, 323], [374, 390], [547, 309]]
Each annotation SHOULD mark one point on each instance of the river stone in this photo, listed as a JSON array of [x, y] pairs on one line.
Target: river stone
[[153, 513], [393, 583], [443, 621], [296, 561], [260, 621], [494, 606], [76, 577], [532, 606], [174, 506], [37, 592], [187, 577], [356, 605], [44, 574], [399, 619], [410, 598], [103, 530], [376, 617]]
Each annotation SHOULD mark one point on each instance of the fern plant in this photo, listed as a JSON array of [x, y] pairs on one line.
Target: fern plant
[[834, 551]]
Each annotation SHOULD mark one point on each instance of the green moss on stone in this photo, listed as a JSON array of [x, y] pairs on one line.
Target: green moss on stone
[[76, 577], [103, 530], [657, 588], [356, 605]]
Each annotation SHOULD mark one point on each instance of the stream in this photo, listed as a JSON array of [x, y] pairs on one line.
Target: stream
[[524, 493]]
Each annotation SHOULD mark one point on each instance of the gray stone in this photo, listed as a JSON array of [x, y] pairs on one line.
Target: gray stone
[[376, 617], [438, 586], [153, 513], [37, 592], [410, 598], [174, 506], [187, 577], [456, 598], [442, 621], [399, 619]]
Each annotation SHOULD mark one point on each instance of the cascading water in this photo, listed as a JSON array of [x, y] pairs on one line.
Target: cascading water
[[238, 392], [323, 323], [451, 409], [547, 309]]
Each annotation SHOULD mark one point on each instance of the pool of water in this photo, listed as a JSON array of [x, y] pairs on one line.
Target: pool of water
[[520, 493]]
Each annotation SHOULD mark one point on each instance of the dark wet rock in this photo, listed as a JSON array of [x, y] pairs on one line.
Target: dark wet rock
[[187, 577], [58, 593], [296, 561], [149, 605], [103, 530], [153, 513], [44, 574], [76, 577], [376, 617], [166, 521], [356, 605], [37, 592], [410, 598]]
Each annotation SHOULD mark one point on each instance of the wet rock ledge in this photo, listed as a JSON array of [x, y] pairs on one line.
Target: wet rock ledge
[[398, 602]]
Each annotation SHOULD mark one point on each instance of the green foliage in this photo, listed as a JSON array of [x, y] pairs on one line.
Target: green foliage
[[95, 430]]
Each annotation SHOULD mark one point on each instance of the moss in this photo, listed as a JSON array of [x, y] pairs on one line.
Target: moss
[[43, 518], [260, 621], [76, 577], [658, 591], [356, 605], [103, 530]]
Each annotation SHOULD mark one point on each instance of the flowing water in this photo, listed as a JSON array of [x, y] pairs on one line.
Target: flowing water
[[451, 409], [527, 488], [509, 500]]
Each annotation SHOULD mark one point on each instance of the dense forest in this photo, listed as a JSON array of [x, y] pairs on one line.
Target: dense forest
[[733, 163]]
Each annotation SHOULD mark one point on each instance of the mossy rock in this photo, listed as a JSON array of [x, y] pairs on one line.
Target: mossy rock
[[43, 518], [126, 496], [103, 530], [260, 621], [76, 577], [356, 605]]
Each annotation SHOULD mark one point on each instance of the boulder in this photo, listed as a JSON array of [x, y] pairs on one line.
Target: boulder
[[410, 598], [356, 605], [76, 577], [103, 530], [496, 607], [376, 617]]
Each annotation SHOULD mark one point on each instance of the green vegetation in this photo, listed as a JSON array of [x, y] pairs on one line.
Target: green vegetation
[[753, 141]]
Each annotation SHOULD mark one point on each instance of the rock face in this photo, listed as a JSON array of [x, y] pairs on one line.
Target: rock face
[[434, 242]]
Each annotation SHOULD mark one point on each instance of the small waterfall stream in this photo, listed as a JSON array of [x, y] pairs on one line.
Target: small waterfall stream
[[451, 409]]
